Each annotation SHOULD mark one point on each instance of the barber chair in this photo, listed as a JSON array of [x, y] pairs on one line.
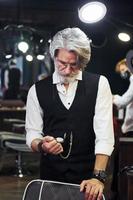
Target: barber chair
[[13, 124], [49, 190], [11, 142], [19, 147]]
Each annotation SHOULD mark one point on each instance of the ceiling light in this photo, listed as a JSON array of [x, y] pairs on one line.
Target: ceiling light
[[124, 37], [23, 46], [49, 41], [29, 58], [40, 57], [92, 12], [41, 40], [8, 56]]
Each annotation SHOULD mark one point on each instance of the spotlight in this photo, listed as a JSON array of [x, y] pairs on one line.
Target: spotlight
[[29, 58], [8, 56], [49, 41], [40, 57], [92, 12], [23, 46], [124, 37], [41, 40]]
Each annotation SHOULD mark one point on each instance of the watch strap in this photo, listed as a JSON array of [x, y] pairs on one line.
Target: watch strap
[[39, 146], [100, 175], [40, 149]]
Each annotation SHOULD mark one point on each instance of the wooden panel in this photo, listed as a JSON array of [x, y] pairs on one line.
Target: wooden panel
[[130, 185], [125, 159]]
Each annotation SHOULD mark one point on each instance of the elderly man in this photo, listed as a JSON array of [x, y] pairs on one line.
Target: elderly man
[[69, 117]]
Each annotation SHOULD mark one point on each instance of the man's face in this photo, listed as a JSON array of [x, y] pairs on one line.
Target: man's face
[[124, 71], [66, 63], [123, 68]]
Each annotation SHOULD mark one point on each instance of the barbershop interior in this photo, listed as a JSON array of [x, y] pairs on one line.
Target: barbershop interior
[[27, 28]]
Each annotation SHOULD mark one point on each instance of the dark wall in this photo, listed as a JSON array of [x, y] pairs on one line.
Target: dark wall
[[103, 61]]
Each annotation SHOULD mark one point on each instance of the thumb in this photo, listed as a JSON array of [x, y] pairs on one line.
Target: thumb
[[48, 138]]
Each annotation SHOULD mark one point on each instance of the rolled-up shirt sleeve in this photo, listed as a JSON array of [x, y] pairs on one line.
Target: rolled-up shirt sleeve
[[126, 98], [103, 119], [34, 117]]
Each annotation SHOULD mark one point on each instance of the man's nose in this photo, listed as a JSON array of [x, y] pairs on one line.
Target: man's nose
[[68, 69]]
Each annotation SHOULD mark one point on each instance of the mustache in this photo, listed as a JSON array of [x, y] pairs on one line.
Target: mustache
[[72, 74]]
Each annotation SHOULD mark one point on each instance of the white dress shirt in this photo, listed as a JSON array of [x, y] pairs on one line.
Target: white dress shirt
[[103, 123], [126, 101]]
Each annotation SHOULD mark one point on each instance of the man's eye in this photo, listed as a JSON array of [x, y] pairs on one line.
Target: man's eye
[[63, 63], [73, 64]]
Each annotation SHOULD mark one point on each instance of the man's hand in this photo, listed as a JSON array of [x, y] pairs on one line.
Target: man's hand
[[93, 189], [51, 145]]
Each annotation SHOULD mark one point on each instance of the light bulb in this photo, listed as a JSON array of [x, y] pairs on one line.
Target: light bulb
[[29, 58], [92, 12], [40, 57], [23, 46], [124, 37]]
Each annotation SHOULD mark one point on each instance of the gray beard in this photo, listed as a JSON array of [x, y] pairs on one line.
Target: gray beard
[[66, 79]]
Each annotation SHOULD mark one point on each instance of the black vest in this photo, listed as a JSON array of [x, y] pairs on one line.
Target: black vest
[[78, 121]]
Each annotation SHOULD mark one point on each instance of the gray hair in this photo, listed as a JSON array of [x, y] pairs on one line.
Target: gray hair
[[72, 39]]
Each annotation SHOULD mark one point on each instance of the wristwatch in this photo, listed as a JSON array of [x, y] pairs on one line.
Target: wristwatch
[[100, 175], [40, 149], [39, 146]]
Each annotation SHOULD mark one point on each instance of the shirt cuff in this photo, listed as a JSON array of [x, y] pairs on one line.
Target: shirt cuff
[[117, 101], [32, 135], [105, 149]]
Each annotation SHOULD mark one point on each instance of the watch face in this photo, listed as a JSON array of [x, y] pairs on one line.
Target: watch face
[[102, 174]]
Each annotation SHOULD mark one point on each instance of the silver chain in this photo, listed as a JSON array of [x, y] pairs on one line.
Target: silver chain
[[70, 147]]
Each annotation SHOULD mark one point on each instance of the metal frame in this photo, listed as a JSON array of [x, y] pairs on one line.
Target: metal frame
[[43, 182]]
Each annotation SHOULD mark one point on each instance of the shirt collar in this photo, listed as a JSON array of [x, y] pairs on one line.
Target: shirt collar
[[57, 79]]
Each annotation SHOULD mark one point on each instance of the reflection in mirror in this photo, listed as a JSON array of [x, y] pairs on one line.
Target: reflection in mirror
[[21, 64]]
